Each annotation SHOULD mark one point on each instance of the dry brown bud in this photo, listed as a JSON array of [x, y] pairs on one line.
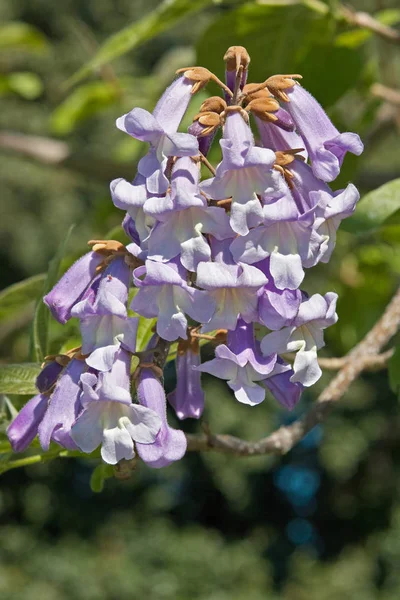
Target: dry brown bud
[[263, 108], [235, 57], [277, 84], [213, 104], [201, 76]]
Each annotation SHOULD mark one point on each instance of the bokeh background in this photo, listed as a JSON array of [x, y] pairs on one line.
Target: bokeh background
[[323, 522]]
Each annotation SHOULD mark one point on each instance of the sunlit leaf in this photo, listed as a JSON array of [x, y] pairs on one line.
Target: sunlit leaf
[[19, 379], [375, 208], [21, 36], [20, 295], [84, 102], [165, 16]]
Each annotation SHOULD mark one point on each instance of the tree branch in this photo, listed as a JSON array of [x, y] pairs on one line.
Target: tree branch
[[283, 440], [366, 21]]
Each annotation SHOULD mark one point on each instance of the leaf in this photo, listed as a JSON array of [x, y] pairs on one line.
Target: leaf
[[375, 208], [25, 84], [21, 36], [40, 326], [84, 102], [165, 16], [20, 295], [144, 333], [19, 379], [394, 371], [283, 39], [99, 475]]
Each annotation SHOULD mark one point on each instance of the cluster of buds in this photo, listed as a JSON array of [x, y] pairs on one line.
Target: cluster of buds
[[210, 259]]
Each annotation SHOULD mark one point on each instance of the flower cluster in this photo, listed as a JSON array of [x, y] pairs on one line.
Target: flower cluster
[[209, 259]]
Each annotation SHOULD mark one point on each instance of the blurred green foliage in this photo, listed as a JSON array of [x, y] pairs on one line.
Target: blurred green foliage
[[323, 522]]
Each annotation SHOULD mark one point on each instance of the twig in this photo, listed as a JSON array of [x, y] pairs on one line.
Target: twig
[[283, 440], [367, 21], [371, 363], [386, 93]]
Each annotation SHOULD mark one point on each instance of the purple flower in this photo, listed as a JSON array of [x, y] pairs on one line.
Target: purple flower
[[326, 147], [159, 129], [330, 207], [281, 386], [245, 171], [48, 376], [331, 210], [132, 197], [109, 418], [170, 444], [183, 219], [23, 429], [64, 407], [241, 364], [287, 237], [234, 291], [103, 321], [277, 308], [275, 138], [72, 285], [164, 293], [304, 337], [188, 397]]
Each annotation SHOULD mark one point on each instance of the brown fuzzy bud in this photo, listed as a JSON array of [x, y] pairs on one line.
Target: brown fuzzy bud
[[277, 84], [263, 108], [210, 121], [213, 104], [201, 76], [235, 57]]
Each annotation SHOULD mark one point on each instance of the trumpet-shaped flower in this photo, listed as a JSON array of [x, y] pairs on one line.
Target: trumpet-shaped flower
[[287, 237], [241, 364], [160, 131], [188, 397], [245, 170], [304, 337], [165, 294], [234, 291], [326, 147], [109, 418], [103, 321], [170, 444]]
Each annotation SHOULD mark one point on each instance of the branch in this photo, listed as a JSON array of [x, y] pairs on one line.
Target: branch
[[57, 153], [283, 440], [371, 363], [383, 92], [367, 21]]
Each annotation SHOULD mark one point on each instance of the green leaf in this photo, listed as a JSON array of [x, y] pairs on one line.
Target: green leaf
[[99, 475], [84, 102], [394, 371], [375, 208], [20, 295], [21, 36], [283, 39], [40, 326], [25, 84], [19, 379], [144, 333], [165, 16]]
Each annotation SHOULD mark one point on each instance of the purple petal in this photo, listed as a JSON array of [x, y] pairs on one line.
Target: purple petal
[[23, 429], [188, 397], [64, 406], [68, 291], [170, 444]]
